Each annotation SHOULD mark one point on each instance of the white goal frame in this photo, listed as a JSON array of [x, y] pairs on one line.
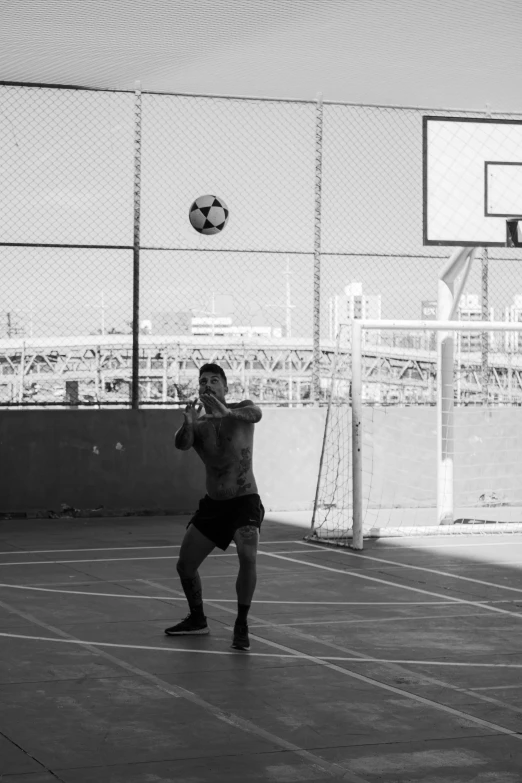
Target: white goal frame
[[446, 331]]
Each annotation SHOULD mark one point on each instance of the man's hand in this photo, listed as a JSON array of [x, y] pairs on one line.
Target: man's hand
[[218, 410], [191, 413], [184, 437]]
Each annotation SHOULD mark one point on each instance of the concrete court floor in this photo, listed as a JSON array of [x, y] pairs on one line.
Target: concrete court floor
[[400, 664]]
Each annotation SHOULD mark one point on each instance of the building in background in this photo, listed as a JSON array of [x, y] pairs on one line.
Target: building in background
[[428, 310], [177, 323], [513, 312], [429, 313], [353, 303], [470, 310], [218, 326]]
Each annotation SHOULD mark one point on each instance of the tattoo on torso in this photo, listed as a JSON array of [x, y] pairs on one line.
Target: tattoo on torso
[[225, 492], [229, 463], [245, 463]]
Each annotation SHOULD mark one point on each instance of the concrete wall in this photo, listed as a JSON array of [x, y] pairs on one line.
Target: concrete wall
[[400, 456], [127, 460]]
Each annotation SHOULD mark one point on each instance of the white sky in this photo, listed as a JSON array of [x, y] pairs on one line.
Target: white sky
[[452, 53], [67, 158]]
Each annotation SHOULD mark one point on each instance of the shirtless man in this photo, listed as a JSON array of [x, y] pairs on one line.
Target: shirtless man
[[231, 510]]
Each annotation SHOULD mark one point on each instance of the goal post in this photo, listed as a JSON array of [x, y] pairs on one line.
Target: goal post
[[413, 450]]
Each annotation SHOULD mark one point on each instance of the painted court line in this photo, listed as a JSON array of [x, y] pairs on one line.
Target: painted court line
[[95, 581], [481, 697], [357, 575], [86, 560], [421, 678], [421, 545], [395, 664], [140, 597], [424, 677], [377, 620], [316, 762], [89, 549], [483, 537], [360, 556], [292, 655], [444, 602], [112, 548], [381, 581], [451, 543], [371, 681], [123, 559], [150, 648]]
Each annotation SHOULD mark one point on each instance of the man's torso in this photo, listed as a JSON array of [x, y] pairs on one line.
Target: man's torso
[[225, 446]]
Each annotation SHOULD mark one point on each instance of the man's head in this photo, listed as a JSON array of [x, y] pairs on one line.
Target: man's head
[[212, 379]]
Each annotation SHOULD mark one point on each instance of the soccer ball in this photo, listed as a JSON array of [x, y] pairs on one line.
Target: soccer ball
[[208, 215]]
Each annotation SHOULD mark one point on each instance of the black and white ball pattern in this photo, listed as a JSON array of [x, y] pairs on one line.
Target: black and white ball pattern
[[208, 215]]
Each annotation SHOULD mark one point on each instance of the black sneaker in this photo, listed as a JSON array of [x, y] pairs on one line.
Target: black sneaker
[[240, 640], [192, 625]]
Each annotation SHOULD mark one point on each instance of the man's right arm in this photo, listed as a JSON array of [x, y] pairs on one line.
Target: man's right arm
[[184, 437]]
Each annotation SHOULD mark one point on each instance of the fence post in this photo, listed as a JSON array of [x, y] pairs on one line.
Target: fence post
[[484, 342], [316, 363], [136, 252], [357, 422], [485, 335], [21, 388]]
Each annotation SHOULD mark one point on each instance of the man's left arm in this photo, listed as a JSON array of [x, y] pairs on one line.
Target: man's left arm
[[245, 411]]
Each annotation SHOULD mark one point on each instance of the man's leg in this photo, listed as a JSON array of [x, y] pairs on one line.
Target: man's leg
[[246, 539], [194, 549]]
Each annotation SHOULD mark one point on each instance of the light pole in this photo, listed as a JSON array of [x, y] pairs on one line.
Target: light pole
[[288, 321]]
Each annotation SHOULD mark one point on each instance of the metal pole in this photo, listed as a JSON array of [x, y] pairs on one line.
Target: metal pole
[[445, 405], [136, 253], [22, 371], [316, 365], [447, 305], [325, 432], [99, 388], [357, 531], [485, 335]]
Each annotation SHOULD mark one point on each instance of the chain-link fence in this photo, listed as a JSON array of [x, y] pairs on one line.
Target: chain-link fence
[[109, 295]]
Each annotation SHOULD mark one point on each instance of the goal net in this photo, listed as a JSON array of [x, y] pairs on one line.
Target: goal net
[[423, 431]]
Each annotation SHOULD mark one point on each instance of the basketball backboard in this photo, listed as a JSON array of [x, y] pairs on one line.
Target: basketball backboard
[[472, 172]]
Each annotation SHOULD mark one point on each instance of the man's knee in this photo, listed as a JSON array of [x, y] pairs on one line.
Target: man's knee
[[195, 547], [246, 539], [184, 569], [247, 559]]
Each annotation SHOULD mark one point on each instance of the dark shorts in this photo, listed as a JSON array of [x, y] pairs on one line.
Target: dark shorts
[[218, 520]]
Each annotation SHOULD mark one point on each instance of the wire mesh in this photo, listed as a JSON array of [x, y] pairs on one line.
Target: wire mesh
[[249, 295], [257, 156], [67, 167]]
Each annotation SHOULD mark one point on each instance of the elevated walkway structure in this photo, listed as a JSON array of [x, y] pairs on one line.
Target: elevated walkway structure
[[97, 369]]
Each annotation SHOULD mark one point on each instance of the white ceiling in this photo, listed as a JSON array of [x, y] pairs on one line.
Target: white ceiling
[[430, 53]]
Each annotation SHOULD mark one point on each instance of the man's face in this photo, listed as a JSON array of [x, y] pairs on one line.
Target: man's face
[[211, 383]]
